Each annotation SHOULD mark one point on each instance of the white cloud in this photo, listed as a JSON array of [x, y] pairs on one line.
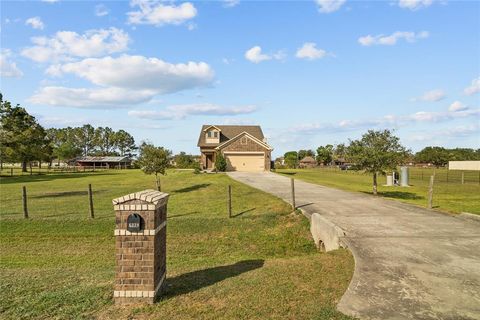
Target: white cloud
[[386, 121], [393, 38], [122, 81], [101, 10], [328, 6], [255, 55], [65, 45], [230, 3], [414, 4], [139, 73], [431, 96], [90, 98], [457, 106], [177, 112], [8, 68], [50, 1], [309, 51], [158, 13], [473, 88], [440, 135], [35, 23]]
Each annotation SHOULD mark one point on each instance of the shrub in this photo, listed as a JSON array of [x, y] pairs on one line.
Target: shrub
[[220, 162]]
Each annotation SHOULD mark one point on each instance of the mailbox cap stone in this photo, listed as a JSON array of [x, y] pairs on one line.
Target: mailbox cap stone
[[150, 195]]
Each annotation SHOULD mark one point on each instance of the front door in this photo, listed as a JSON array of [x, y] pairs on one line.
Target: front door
[[209, 160]]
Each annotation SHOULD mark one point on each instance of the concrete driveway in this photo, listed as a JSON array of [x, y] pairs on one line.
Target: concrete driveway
[[410, 263]]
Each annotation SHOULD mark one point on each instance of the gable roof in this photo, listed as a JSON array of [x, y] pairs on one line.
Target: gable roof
[[308, 159], [260, 142], [228, 132], [103, 159]]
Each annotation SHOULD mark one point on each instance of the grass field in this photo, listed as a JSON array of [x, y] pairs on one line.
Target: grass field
[[59, 264], [449, 194]]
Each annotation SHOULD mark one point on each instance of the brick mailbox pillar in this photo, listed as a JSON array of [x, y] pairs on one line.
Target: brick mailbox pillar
[[140, 246]]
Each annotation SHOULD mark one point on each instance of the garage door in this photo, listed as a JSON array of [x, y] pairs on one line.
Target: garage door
[[245, 162]]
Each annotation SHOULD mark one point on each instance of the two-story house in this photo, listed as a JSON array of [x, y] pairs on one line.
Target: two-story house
[[244, 147]]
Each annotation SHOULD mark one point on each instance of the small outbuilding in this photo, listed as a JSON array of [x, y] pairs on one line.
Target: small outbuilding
[[308, 162], [104, 162]]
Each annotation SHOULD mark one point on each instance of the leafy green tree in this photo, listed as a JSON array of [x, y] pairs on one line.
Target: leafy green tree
[[340, 151], [437, 156], [105, 141], [291, 159], [185, 161], [23, 139], [124, 142], [376, 152], [220, 162], [153, 160], [325, 154], [305, 153], [85, 136]]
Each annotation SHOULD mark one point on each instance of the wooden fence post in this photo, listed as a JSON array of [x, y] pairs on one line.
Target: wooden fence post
[[24, 198], [90, 199], [229, 202], [463, 177], [11, 172], [430, 193], [292, 183]]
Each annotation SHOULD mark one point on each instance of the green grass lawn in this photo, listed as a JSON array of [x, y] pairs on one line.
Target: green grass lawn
[[59, 264], [449, 194]]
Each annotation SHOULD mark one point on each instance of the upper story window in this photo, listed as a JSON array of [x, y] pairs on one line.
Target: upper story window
[[213, 136]]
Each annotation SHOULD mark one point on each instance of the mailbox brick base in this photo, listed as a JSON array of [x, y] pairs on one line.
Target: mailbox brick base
[[141, 254]]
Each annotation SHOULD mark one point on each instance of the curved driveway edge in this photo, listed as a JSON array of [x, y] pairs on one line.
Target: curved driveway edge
[[410, 263]]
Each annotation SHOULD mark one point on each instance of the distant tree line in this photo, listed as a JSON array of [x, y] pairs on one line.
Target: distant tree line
[[330, 155], [439, 156], [23, 140]]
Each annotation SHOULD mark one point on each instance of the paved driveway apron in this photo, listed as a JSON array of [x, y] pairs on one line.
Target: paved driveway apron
[[410, 263]]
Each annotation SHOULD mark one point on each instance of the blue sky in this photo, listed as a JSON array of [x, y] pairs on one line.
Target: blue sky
[[310, 72]]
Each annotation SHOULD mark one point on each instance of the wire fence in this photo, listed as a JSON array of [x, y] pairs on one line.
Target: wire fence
[[10, 171], [442, 175]]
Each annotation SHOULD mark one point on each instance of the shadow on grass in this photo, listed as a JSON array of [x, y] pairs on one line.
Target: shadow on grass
[[64, 194], [182, 215], [399, 195], [50, 177], [240, 213], [192, 281], [192, 188], [289, 173]]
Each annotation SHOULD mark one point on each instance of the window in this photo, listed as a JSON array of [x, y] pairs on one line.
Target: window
[[209, 134], [215, 134]]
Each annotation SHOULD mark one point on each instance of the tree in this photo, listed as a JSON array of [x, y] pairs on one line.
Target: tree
[[124, 142], [291, 159], [22, 138], [376, 151], [340, 151], [305, 153], [185, 161], [220, 162], [85, 138], [153, 160], [105, 141], [325, 154], [437, 156]]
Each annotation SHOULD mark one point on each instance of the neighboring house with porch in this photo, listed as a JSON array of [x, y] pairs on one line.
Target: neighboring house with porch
[[244, 147]]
